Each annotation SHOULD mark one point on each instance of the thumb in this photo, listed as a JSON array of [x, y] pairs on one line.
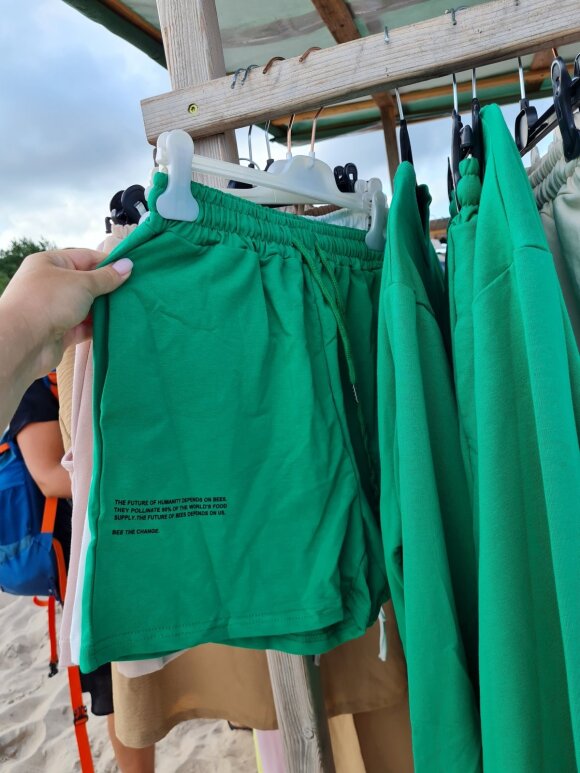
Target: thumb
[[108, 278]]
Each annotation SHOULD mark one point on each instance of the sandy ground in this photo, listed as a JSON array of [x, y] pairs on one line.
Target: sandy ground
[[36, 732]]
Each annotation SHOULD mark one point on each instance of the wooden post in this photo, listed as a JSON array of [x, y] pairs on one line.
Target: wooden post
[[194, 53], [389, 121], [301, 715]]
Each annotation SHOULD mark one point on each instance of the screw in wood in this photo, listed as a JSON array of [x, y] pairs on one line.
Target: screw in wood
[[193, 109]]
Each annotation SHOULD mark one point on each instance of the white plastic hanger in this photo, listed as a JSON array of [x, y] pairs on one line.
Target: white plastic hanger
[[304, 177]]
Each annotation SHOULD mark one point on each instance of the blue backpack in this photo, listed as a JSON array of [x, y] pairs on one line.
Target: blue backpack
[[31, 561]]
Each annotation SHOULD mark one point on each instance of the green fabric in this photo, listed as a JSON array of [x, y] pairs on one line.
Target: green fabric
[[219, 374], [459, 268], [527, 400], [425, 509]]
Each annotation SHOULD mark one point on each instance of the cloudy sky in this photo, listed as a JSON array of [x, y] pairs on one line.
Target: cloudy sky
[[72, 134]]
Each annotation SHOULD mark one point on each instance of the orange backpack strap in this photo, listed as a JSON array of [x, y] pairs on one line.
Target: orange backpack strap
[[61, 566], [80, 719], [4, 447], [49, 515], [52, 384], [52, 636]]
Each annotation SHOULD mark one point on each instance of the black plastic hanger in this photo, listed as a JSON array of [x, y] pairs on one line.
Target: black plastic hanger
[[346, 176], [461, 137], [476, 127], [564, 87], [404, 140], [566, 92], [128, 206], [527, 117]]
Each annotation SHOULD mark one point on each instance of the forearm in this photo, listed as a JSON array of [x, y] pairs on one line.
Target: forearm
[[20, 360], [57, 483]]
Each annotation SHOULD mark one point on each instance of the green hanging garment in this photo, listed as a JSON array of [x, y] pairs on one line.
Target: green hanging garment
[[231, 499], [425, 507], [459, 274], [526, 382]]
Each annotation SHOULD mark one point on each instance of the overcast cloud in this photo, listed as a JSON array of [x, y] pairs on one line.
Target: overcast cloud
[[72, 135]]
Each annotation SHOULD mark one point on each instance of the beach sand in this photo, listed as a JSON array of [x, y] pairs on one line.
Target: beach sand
[[36, 731]]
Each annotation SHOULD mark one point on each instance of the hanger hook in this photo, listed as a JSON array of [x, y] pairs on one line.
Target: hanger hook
[[250, 154], [313, 135], [455, 95], [474, 83], [289, 134], [399, 105], [522, 79], [266, 133]]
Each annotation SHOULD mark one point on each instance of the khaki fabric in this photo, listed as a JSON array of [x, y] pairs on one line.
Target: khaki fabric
[[346, 749], [384, 738], [64, 379], [218, 682]]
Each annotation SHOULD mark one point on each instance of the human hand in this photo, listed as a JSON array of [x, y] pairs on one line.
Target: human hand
[[48, 300]]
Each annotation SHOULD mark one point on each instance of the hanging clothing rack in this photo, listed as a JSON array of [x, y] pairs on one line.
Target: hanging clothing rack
[[204, 103]]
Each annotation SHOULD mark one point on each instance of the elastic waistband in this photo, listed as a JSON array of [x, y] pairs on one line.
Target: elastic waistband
[[221, 213]]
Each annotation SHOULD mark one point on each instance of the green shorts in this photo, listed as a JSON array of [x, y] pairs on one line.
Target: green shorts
[[233, 496]]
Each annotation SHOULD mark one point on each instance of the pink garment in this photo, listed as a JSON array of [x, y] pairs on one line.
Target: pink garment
[[79, 463], [271, 750], [79, 460]]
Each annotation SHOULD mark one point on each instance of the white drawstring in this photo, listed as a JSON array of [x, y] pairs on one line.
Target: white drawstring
[[383, 635]]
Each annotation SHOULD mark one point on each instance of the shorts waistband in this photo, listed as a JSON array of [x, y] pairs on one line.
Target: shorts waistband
[[220, 212]]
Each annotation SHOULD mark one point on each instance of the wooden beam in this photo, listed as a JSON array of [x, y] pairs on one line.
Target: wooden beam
[[539, 70], [484, 33], [407, 98], [338, 18], [137, 21], [194, 54], [301, 715]]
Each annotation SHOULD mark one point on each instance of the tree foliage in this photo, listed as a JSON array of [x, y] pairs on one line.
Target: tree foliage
[[14, 254]]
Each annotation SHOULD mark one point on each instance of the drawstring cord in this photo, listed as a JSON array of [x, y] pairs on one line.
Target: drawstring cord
[[334, 300]]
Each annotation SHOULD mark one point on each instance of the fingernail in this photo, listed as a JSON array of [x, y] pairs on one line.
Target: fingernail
[[123, 266]]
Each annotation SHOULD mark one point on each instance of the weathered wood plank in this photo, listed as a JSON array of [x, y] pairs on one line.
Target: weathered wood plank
[[194, 54], [484, 33], [300, 710]]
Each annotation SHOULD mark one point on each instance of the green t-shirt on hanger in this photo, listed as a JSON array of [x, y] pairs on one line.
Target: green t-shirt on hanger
[[527, 404], [425, 507]]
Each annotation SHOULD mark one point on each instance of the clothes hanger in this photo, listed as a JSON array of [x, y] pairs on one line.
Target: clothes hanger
[[566, 92], [300, 179], [346, 177], [404, 139], [476, 127], [527, 117], [456, 134], [564, 103], [308, 180], [250, 160]]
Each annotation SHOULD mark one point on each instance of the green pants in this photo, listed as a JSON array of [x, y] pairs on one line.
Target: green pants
[[233, 496]]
